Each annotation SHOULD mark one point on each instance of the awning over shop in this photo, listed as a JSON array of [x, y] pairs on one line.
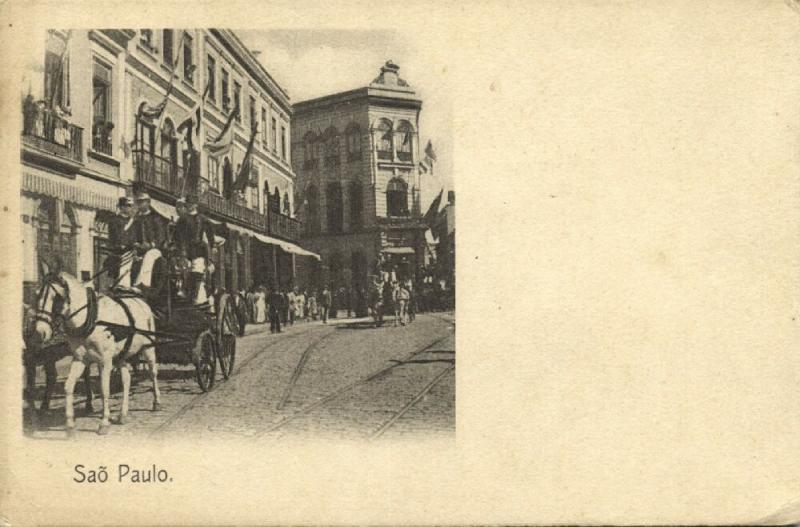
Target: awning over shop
[[286, 246], [69, 191], [399, 250]]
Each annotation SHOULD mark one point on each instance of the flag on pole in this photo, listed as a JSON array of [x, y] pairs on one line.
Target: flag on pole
[[223, 143], [433, 209], [423, 167], [157, 112], [243, 177], [429, 151], [190, 124]]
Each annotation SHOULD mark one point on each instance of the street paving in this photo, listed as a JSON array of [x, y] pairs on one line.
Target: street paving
[[346, 379]]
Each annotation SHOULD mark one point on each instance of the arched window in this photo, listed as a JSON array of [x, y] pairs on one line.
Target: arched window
[[384, 139], [227, 177], [286, 206], [405, 140], [334, 207], [356, 204], [308, 150], [167, 165], [331, 137], [353, 134], [397, 198], [276, 201], [312, 206]]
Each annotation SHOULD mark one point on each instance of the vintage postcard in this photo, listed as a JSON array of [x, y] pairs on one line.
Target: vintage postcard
[[229, 269]]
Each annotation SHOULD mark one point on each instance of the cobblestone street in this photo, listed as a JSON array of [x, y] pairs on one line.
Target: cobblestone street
[[346, 379]]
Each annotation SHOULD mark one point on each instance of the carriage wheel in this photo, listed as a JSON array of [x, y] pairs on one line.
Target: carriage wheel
[[205, 363], [227, 329]]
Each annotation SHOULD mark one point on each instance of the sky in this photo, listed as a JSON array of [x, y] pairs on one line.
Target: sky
[[311, 63]]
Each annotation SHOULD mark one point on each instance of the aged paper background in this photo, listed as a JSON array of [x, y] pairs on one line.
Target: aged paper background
[[628, 252]]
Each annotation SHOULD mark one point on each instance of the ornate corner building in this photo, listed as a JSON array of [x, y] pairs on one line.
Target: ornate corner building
[[356, 157]]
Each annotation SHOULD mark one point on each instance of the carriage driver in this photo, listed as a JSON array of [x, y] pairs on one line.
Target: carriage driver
[[149, 239], [191, 237], [121, 238]]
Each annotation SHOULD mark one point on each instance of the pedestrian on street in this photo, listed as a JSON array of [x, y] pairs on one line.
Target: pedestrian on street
[[325, 303], [350, 301], [261, 305], [275, 302], [299, 304], [291, 305], [312, 305]]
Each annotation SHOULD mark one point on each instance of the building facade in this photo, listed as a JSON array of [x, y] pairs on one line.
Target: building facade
[[85, 140], [356, 156]]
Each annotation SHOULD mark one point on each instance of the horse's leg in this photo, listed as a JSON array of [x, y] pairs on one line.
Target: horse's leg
[[51, 376], [75, 370], [150, 355], [125, 373], [87, 385], [105, 389]]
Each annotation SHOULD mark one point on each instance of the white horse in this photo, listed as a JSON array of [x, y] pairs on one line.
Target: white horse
[[100, 330]]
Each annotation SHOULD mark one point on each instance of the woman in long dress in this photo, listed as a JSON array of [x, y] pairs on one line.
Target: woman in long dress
[[261, 306]]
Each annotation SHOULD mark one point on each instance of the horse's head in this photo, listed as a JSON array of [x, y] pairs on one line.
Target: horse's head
[[52, 307]]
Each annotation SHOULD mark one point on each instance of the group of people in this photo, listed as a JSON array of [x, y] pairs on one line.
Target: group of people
[[147, 250], [283, 307]]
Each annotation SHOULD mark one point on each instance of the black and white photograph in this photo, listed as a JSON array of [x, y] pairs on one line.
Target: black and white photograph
[[229, 262], [245, 234]]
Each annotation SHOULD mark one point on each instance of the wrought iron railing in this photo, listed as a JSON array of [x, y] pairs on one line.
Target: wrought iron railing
[[158, 172], [284, 226], [101, 138], [51, 132], [226, 208]]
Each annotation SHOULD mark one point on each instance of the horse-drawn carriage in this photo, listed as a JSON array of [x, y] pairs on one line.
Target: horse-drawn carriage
[[116, 328]]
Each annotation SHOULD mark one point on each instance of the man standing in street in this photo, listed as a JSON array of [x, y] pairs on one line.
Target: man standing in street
[[325, 303], [275, 302], [290, 300]]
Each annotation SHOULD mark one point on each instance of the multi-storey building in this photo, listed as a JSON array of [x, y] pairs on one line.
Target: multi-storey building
[[85, 140], [356, 156]]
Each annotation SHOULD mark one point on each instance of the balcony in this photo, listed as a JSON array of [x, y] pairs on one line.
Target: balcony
[[233, 211], [283, 226], [158, 172], [47, 135], [101, 137]]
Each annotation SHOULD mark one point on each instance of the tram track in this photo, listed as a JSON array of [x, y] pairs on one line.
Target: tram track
[[283, 422], [199, 398]]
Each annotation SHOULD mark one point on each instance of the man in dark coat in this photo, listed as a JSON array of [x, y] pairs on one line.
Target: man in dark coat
[[121, 239], [150, 236], [275, 302], [193, 248]]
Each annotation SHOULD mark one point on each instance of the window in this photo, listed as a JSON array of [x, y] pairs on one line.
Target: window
[[397, 198], [56, 71], [312, 206], [211, 78], [276, 201], [385, 139], [213, 173], [254, 176], [53, 239], [287, 210], [188, 63], [145, 135], [226, 97], [356, 204], [334, 207], [252, 112], [146, 38], [308, 150], [353, 142], [166, 47], [264, 126], [283, 143], [405, 139], [331, 147], [237, 100], [101, 108], [274, 135]]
